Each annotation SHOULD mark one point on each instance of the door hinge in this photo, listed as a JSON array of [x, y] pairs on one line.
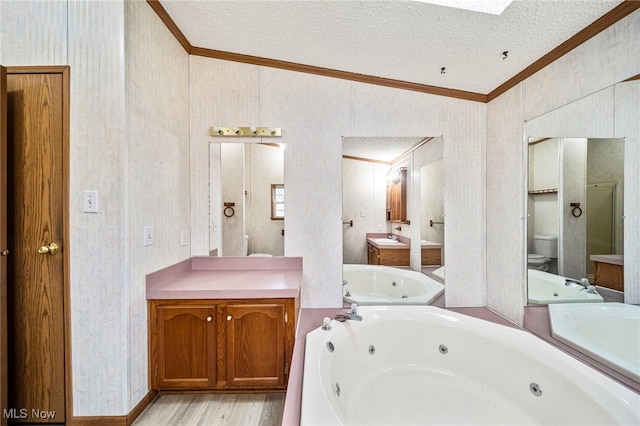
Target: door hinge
[[286, 368], [156, 371]]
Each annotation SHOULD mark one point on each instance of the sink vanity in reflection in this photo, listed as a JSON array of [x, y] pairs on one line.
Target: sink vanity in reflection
[[393, 185], [609, 271], [396, 252]]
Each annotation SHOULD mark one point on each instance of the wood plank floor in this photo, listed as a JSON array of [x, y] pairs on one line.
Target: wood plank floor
[[214, 409]]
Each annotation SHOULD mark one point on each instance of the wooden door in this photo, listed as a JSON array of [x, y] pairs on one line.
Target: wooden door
[[256, 344], [36, 224], [4, 401], [187, 347]]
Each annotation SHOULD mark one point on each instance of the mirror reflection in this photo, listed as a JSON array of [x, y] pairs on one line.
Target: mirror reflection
[[432, 217], [246, 199], [390, 186], [575, 227], [376, 208]]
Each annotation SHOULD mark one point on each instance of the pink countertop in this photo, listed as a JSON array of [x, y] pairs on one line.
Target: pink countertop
[[227, 278], [614, 259]]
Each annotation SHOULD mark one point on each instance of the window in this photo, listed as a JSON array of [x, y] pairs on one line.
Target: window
[[277, 201]]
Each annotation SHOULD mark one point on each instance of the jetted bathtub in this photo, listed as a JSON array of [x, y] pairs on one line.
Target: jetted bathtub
[[426, 365], [545, 288], [386, 285], [608, 332]]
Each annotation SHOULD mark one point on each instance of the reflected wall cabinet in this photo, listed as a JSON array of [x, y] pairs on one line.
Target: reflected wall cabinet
[[397, 197]]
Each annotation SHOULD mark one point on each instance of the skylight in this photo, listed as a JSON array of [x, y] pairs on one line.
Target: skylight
[[494, 7]]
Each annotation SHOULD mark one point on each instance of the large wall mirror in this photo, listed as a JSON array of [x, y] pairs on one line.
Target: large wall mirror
[[370, 168], [246, 199], [374, 169], [582, 160], [575, 229]]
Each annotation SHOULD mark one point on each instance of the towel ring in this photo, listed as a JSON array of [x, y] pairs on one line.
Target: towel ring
[[576, 211], [228, 208]]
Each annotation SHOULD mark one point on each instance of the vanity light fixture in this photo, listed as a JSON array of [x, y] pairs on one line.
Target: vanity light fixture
[[263, 132]]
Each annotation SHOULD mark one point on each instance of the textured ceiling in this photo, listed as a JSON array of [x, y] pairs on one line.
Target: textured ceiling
[[379, 149], [402, 40]]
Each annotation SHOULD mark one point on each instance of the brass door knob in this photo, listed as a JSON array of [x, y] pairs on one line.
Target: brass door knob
[[4, 253], [49, 249]]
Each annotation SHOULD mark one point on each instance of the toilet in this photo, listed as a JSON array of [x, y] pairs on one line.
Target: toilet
[[545, 249], [246, 249]]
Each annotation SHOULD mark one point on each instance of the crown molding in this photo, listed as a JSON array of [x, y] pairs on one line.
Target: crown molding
[[602, 23], [614, 15]]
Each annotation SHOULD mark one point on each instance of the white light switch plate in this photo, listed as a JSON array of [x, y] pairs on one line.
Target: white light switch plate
[[90, 202], [148, 236]]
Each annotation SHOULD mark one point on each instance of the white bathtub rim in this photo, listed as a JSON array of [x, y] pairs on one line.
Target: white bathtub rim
[[317, 409], [434, 288], [536, 297], [563, 331]]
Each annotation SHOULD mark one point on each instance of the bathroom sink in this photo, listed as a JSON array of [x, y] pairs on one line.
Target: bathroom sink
[[385, 241]]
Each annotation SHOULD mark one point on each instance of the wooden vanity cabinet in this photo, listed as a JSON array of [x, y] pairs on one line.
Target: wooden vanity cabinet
[[388, 257], [431, 256], [239, 344], [255, 349], [609, 275], [373, 255], [185, 347]]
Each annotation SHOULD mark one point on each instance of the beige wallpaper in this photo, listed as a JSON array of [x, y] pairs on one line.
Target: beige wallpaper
[[157, 93], [135, 154], [315, 113]]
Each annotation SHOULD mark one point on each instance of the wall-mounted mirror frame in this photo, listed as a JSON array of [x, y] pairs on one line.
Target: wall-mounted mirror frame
[[241, 176], [608, 113]]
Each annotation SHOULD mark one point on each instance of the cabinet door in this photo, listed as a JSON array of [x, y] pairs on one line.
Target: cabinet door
[[256, 345], [187, 347], [373, 255]]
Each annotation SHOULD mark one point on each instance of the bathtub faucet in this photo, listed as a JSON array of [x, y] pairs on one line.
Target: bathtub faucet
[[352, 314], [583, 282]]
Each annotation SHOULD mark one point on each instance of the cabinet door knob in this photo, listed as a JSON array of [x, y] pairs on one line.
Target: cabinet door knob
[[209, 318], [4, 253], [229, 317]]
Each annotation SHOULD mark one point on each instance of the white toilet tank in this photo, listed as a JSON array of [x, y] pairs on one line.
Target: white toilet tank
[[546, 245]]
